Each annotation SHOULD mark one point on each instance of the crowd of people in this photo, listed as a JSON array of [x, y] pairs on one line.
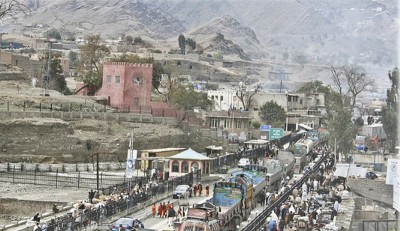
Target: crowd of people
[[99, 206], [314, 204]]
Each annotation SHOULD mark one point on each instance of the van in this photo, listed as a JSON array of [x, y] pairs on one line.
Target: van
[[243, 162]]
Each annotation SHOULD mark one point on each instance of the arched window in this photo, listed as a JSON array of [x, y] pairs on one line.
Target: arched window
[[185, 167], [195, 166], [175, 166]]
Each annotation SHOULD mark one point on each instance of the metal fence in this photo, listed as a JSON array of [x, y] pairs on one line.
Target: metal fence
[[258, 222], [374, 225], [95, 216], [75, 180], [223, 162]]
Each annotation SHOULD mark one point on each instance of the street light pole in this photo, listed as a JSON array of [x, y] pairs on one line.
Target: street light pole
[[97, 170]]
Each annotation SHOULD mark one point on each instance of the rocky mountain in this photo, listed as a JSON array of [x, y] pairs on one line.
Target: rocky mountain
[[230, 28], [225, 47], [311, 32]]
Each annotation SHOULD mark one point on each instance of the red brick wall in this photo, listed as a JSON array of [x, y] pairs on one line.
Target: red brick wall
[[82, 92], [123, 95]]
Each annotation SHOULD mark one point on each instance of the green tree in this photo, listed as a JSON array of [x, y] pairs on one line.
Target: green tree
[[91, 55], [182, 43], [128, 40], [186, 99], [54, 33], [338, 118], [390, 112], [342, 129], [191, 43], [73, 58], [273, 113], [57, 79], [137, 40], [158, 69]]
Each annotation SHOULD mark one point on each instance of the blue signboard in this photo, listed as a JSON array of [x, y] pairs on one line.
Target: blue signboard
[[265, 127]]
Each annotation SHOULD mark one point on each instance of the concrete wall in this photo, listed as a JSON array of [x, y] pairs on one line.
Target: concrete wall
[[81, 167], [376, 190], [22, 207], [129, 117]]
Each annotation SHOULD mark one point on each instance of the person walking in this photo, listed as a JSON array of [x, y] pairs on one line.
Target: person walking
[[164, 210], [200, 188], [160, 210], [153, 210], [207, 190], [195, 190]]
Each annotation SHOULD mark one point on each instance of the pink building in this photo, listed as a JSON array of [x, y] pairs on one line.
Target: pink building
[[127, 85]]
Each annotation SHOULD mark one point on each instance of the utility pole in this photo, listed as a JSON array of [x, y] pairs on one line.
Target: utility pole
[[46, 78], [97, 170], [131, 156]]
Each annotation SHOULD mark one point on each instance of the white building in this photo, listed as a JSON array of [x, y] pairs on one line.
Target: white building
[[224, 99]]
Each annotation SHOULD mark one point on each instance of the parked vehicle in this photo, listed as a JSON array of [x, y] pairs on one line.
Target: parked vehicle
[[127, 223], [182, 191], [371, 175], [243, 162]]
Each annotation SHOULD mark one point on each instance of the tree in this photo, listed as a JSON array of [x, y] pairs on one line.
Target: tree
[[91, 55], [182, 43], [338, 117], [357, 82], [73, 58], [191, 43], [246, 96], [128, 40], [272, 113], [56, 72], [349, 82], [342, 129], [9, 6], [186, 99], [137, 40], [390, 112], [169, 85], [54, 33]]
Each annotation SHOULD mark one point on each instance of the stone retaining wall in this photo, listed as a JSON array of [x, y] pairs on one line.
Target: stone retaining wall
[[376, 190]]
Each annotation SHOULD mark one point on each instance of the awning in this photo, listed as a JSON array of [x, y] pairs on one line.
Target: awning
[[308, 128]]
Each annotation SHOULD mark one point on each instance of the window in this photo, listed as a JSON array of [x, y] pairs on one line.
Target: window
[[212, 97], [108, 78], [137, 80], [117, 79], [185, 167], [136, 101], [301, 101], [238, 124], [214, 122], [175, 166], [222, 98]]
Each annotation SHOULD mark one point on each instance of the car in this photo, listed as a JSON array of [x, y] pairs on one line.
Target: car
[[243, 162], [128, 224], [371, 175], [182, 191]]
